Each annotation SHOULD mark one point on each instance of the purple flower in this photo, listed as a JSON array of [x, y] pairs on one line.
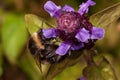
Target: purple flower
[[83, 35], [74, 28], [49, 33], [63, 48], [77, 46], [82, 78], [51, 8], [97, 33], [67, 8], [84, 7]]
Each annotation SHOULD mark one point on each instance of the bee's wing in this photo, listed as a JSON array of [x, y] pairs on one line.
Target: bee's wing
[[38, 62], [34, 23], [106, 17]]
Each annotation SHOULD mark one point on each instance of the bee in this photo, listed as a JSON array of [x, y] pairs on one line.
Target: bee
[[42, 48]]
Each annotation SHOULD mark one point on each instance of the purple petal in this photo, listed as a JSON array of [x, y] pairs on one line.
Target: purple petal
[[49, 33], [97, 33], [77, 46], [68, 8], [83, 35], [82, 78], [91, 3], [84, 7], [63, 48], [52, 8]]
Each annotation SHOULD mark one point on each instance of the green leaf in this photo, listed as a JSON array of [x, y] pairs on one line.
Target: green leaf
[[107, 19], [1, 51], [98, 69], [1, 61], [102, 4], [57, 68], [14, 36], [92, 72], [28, 65], [71, 73], [34, 23]]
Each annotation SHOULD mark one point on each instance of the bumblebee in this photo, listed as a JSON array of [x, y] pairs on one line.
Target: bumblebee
[[43, 49]]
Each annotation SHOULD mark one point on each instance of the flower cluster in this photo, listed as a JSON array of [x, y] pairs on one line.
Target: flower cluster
[[74, 28]]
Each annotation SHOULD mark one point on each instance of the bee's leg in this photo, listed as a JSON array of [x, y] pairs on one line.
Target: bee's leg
[[50, 54], [52, 60], [52, 57], [58, 58]]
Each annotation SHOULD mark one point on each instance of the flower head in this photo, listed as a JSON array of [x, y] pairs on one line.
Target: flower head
[[74, 28]]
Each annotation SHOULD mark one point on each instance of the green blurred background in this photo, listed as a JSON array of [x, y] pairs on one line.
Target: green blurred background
[[16, 63]]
